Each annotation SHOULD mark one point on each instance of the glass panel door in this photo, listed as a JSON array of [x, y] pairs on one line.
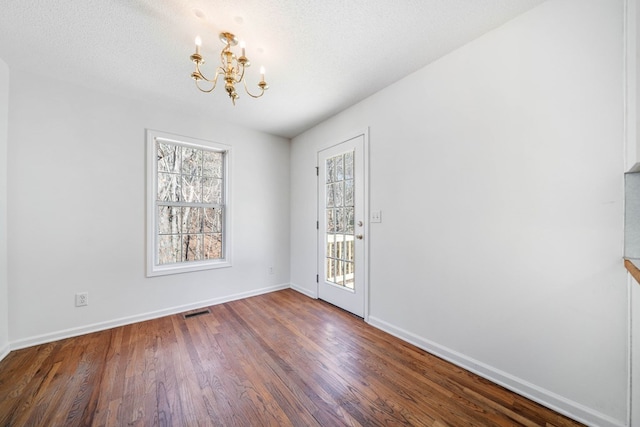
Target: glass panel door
[[341, 216]]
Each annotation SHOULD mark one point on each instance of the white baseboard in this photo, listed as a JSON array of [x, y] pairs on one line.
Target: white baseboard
[[4, 351], [531, 391], [305, 291], [101, 326]]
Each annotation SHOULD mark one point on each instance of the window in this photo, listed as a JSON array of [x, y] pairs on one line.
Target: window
[[187, 207]]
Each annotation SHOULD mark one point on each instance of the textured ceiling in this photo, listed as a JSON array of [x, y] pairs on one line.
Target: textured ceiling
[[321, 56]]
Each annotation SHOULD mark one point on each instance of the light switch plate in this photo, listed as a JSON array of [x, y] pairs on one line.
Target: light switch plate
[[376, 216]]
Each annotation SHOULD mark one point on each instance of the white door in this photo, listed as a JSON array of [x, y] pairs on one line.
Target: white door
[[341, 225]]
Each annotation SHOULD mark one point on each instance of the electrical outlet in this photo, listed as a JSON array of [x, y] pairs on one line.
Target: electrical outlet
[[271, 270], [82, 299]]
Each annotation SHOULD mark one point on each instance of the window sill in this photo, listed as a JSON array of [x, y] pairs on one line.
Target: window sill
[[182, 268]]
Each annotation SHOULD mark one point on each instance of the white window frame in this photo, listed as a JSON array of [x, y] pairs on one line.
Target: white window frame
[[154, 269]]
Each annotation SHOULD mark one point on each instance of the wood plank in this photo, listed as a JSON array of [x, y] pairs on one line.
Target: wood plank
[[279, 359], [631, 268]]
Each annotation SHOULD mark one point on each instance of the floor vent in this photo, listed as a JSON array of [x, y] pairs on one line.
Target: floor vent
[[194, 313]]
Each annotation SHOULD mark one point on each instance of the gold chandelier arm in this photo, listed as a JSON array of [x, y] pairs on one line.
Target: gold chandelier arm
[[262, 85], [207, 90], [214, 81]]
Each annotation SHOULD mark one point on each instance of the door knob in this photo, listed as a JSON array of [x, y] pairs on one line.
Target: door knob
[[359, 236]]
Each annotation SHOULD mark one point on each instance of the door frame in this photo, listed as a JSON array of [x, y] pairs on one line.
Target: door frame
[[320, 262]]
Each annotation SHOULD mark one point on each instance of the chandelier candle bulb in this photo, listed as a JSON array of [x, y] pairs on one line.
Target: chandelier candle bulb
[[262, 73], [243, 46], [198, 44]]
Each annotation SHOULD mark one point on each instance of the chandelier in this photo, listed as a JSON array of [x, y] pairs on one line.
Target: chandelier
[[231, 69]]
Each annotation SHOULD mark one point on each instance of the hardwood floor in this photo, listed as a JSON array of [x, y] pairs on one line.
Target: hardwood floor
[[278, 359]]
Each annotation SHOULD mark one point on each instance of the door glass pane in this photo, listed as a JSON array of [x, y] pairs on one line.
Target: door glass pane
[[339, 217], [330, 197], [340, 220], [339, 276], [348, 165], [349, 220], [348, 192], [348, 275], [330, 275], [330, 170], [339, 168], [331, 221], [331, 246], [338, 192], [349, 247]]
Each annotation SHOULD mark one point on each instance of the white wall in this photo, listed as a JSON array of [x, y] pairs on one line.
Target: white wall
[[4, 287], [632, 146], [498, 171], [77, 211], [632, 39]]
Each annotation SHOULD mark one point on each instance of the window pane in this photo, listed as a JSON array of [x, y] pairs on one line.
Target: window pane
[[212, 247], [212, 164], [169, 220], [191, 189], [218, 221], [192, 247], [212, 222], [212, 190], [168, 187], [191, 220], [168, 158], [168, 249], [191, 161]]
